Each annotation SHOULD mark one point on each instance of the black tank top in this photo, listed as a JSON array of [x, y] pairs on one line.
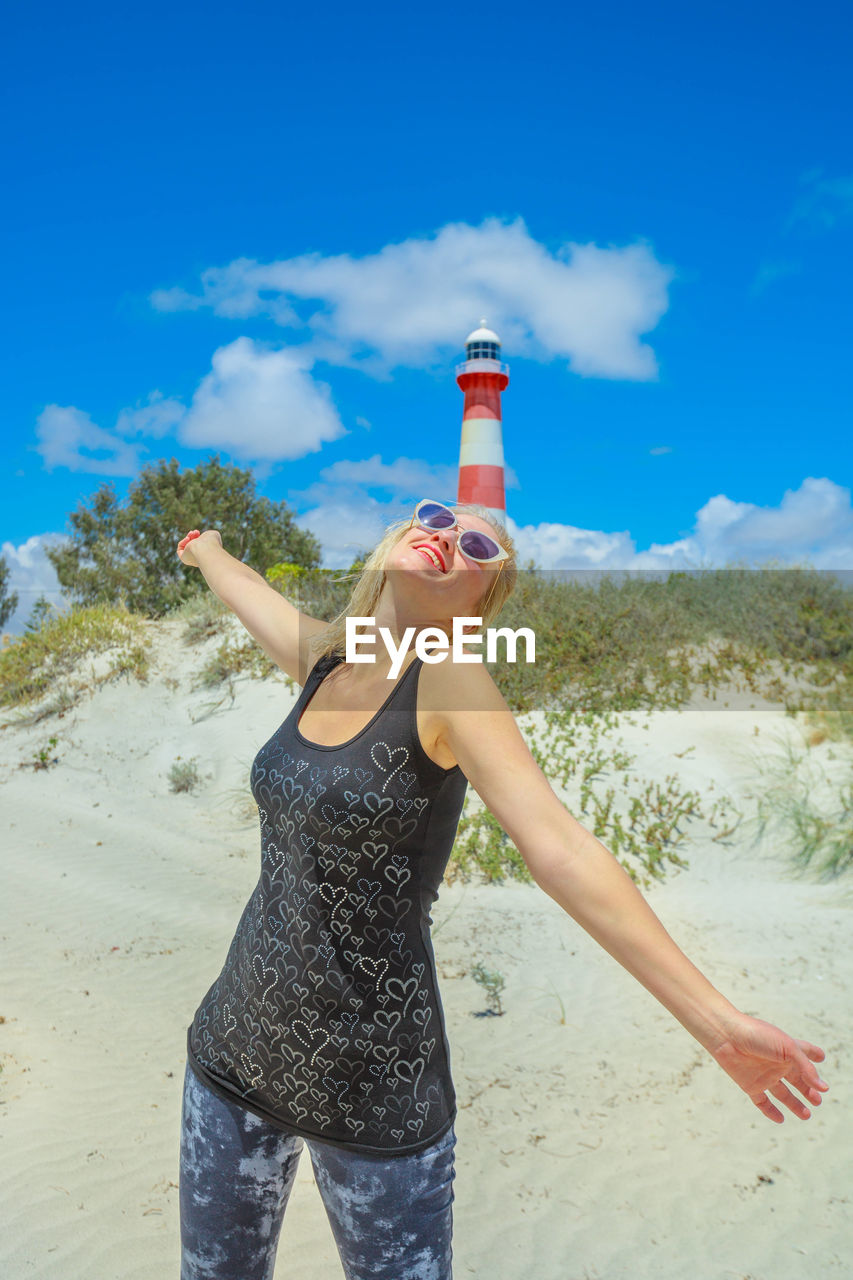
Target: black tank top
[[326, 1019]]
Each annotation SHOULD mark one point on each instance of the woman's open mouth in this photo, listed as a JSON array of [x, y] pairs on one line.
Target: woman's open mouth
[[432, 556]]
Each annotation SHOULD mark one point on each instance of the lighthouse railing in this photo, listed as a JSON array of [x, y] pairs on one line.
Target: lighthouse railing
[[482, 366]]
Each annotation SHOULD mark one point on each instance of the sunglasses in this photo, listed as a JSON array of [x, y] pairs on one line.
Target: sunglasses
[[471, 542]]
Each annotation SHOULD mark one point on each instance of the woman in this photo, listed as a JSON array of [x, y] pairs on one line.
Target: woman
[[325, 1025]]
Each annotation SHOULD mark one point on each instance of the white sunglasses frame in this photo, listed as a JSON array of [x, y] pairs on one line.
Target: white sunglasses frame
[[502, 553]]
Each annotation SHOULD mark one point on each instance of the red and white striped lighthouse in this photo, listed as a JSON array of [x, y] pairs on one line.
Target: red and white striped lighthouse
[[481, 457]]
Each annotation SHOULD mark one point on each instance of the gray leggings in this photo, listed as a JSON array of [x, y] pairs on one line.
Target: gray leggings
[[392, 1217]]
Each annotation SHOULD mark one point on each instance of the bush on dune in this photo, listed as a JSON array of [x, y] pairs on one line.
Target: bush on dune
[[31, 666]]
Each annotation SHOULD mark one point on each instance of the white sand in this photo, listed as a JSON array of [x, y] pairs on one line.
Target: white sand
[[607, 1147]]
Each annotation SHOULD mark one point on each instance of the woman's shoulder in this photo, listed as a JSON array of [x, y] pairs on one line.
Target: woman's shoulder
[[451, 686]]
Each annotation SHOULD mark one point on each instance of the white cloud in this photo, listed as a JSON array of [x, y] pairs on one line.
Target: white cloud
[[260, 404], [414, 301], [814, 522], [347, 525], [811, 524], [156, 418], [257, 404], [563, 546], [347, 519], [31, 574], [67, 437], [403, 476]]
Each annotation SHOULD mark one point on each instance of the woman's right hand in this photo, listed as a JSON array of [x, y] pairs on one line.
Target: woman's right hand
[[185, 546]]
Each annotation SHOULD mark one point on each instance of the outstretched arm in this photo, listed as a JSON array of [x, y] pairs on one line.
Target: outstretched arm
[[282, 631], [579, 873], [592, 886]]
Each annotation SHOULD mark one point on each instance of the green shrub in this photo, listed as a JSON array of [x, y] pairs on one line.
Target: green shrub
[[184, 775], [806, 812], [482, 845], [44, 757], [230, 659], [127, 550], [320, 593], [628, 641], [31, 665], [204, 616], [493, 984]]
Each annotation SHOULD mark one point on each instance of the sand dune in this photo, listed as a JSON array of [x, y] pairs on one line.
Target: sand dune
[[601, 1147]]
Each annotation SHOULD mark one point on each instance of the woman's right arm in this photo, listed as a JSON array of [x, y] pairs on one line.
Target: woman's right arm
[[279, 627]]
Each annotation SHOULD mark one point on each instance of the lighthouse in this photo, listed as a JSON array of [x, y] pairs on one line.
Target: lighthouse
[[482, 377]]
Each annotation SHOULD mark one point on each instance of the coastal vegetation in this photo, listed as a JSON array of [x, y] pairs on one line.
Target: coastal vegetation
[[184, 775], [45, 665], [806, 806], [609, 650]]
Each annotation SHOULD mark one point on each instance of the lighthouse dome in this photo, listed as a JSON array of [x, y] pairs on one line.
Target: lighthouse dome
[[483, 335]]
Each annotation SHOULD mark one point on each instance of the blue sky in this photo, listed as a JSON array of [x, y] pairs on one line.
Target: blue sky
[[265, 232]]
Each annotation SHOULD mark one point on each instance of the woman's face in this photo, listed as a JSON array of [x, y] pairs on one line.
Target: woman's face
[[444, 576]]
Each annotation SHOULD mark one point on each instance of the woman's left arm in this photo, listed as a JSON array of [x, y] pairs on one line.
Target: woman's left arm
[[589, 883]]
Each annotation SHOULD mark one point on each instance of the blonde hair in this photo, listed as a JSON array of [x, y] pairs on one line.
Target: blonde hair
[[371, 579]]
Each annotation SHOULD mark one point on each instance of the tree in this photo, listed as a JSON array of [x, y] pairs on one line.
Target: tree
[[128, 551], [41, 612], [8, 603]]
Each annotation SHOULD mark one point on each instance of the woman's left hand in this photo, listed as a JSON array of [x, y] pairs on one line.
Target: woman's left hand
[[759, 1057]]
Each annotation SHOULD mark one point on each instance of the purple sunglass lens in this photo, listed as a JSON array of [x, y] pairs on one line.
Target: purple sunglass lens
[[478, 545], [436, 517]]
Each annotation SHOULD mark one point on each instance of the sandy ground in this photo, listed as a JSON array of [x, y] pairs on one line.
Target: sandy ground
[[596, 1139]]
